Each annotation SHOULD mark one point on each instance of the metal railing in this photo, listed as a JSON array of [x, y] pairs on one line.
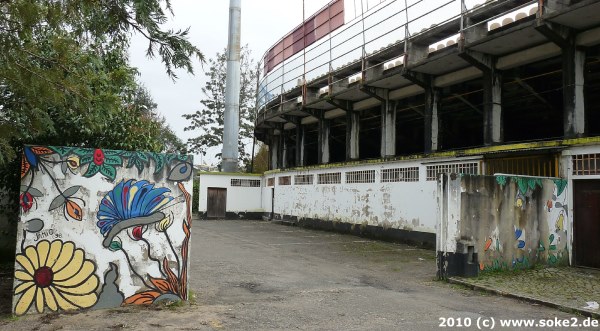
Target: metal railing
[[389, 24]]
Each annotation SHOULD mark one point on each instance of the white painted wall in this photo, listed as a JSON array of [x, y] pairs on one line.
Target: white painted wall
[[239, 199], [399, 205]]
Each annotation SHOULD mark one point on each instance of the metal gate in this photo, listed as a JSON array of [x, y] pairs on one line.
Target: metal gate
[[586, 223], [545, 165], [217, 202]]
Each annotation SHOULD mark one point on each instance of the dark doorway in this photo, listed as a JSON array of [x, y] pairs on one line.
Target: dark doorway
[[586, 224], [272, 204], [217, 202]]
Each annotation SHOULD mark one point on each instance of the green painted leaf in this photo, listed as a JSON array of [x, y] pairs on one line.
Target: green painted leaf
[[71, 191], [83, 151], [142, 156], [57, 202], [115, 246], [551, 238], [109, 171], [62, 151], [159, 160], [552, 247], [112, 152], [561, 184], [113, 160], [183, 158], [86, 159], [139, 165], [91, 170], [170, 157], [501, 180], [523, 185]]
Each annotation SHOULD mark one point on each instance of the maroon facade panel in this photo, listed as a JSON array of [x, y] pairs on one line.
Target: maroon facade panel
[[314, 28]]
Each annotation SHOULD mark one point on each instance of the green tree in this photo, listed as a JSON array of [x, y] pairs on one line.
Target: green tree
[[64, 66], [261, 160], [65, 77], [208, 121]]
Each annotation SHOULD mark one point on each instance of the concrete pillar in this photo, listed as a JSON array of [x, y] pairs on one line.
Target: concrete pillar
[[299, 144], [573, 66], [573, 97], [352, 135], [303, 148], [284, 150], [433, 103], [388, 128], [281, 146], [273, 151], [493, 124], [324, 126]]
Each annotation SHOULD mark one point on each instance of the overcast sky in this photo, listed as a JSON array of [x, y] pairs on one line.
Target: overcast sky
[[263, 23]]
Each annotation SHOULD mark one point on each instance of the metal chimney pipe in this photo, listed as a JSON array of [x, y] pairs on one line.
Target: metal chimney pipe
[[232, 89]]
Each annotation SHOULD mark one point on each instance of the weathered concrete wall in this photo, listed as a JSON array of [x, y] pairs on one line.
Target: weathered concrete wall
[[501, 223], [101, 228], [393, 200], [243, 194], [408, 205]]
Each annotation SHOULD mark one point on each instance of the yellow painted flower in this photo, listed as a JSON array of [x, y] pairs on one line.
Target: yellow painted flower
[[519, 202], [55, 275], [163, 225]]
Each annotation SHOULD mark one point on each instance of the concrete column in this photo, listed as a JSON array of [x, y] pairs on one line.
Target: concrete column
[[573, 66], [573, 97], [299, 144], [281, 146], [324, 126], [303, 148], [273, 151], [433, 103], [284, 150], [388, 128], [493, 124], [352, 135]]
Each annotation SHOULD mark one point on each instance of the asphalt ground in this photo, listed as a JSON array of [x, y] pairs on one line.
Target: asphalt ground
[[248, 275]]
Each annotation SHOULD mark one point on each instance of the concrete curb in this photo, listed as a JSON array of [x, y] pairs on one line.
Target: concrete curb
[[564, 308]]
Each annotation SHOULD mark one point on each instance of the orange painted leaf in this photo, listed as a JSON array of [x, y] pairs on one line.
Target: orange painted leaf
[[42, 150], [488, 243], [142, 298], [171, 276], [74, 210], [162, 285], [25, 166]]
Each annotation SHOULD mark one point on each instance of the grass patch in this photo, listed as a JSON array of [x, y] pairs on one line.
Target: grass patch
[[9, 318]]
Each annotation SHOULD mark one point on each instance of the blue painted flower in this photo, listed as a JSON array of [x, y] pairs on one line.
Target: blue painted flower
[[128, 201]]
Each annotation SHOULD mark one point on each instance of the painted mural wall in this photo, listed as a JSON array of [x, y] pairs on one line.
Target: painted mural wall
[[101, 228], [511, 222]]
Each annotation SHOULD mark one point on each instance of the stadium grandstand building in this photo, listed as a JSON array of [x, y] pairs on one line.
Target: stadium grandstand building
[[366, 103]]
